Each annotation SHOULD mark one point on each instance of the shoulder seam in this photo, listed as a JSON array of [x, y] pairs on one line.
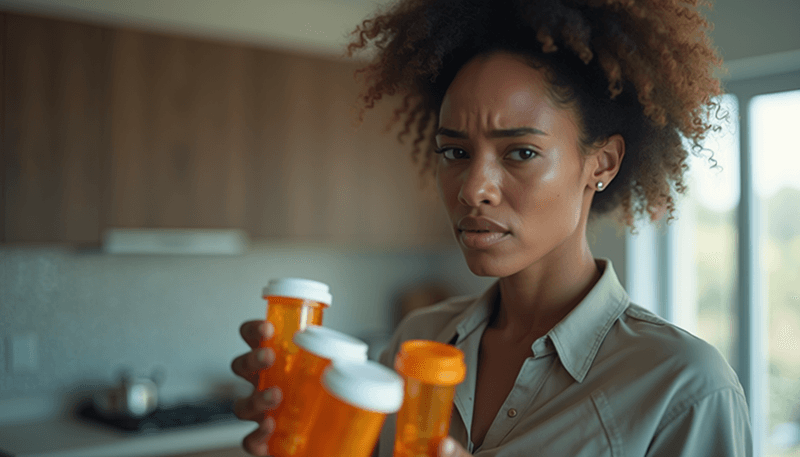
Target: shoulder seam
[[599, 341], [645, 315], [686, 405]]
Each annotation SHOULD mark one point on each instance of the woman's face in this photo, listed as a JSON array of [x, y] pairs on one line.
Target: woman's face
[[510, 170]]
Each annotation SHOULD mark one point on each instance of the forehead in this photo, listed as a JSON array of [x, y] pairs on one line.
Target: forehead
[[499, 88]]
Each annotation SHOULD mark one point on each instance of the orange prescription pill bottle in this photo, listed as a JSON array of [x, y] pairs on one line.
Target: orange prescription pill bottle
[[431, 371], [356, 400], [292, 305], [319, 347]]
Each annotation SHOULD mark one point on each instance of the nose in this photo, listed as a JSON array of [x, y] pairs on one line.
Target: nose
[[480, 184]]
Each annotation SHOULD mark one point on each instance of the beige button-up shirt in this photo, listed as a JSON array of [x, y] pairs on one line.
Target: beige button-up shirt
[[610, 379]]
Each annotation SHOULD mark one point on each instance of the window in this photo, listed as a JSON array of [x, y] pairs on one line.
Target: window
[[728, 269], [774, 119], [703, 240]]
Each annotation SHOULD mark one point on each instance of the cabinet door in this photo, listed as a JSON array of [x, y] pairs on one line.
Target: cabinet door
[[178, 139], [120, 128], [55, 129], [349, 183], [267, 105], [401, 211]]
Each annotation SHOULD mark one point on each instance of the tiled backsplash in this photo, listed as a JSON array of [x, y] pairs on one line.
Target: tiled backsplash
[[88, 314]]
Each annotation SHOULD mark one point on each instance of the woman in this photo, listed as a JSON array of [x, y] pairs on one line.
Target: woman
[[545, 114]]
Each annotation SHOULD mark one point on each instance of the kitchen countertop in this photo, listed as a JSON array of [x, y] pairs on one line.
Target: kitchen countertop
[[68, 437]]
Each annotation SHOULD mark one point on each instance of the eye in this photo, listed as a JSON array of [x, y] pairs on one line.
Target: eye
[[521, 154], [452, 153]]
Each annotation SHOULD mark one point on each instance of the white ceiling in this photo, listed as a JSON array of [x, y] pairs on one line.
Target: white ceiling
[[314, 26], [744, 29]]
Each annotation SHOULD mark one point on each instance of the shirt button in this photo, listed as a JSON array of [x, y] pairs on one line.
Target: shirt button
[[512, 412]]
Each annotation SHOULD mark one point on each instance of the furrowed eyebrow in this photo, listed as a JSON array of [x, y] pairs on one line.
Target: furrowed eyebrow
[[520, 131], [451, 133], [515, 132]]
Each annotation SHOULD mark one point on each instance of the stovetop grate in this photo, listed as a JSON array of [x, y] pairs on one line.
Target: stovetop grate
[[163, 417]]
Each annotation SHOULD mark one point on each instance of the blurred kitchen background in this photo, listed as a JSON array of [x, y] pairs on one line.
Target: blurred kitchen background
[[162, 160]]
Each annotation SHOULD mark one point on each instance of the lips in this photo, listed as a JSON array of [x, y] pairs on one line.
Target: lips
[[480, 224], [480, 232]]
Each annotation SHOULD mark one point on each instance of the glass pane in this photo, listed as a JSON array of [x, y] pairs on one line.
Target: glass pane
[[704, 238], [774, 121]]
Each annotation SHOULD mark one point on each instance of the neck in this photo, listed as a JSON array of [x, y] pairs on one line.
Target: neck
[[535, 299]]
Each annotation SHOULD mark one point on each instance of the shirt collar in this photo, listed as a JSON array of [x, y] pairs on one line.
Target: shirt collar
[[471, 318], [576, 338]]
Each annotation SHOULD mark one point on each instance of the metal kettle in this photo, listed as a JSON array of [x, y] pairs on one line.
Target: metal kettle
[[132, 397]]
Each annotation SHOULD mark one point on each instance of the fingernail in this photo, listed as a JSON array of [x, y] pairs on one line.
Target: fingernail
[[261, 355], [263, 437], [448, 447], [269, 395], [268, 329], [276, 394]]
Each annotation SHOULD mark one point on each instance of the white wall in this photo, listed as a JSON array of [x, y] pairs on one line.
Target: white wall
[[309, 26], [750, 28], [742, 28], [94, 313]]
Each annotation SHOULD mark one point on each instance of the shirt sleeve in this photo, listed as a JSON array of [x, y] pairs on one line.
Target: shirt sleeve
[[717, 425]]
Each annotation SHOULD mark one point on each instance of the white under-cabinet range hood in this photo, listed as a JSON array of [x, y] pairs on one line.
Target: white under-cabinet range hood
[[175, 241]]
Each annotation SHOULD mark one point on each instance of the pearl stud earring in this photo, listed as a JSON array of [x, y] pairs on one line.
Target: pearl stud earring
[[600, 186]]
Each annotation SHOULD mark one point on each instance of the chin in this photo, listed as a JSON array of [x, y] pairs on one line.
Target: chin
[[487, 265]]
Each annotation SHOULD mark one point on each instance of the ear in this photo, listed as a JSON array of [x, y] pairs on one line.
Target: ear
[[607, 158]]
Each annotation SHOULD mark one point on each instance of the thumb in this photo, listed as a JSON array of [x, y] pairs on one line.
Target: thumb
[[450, 448]]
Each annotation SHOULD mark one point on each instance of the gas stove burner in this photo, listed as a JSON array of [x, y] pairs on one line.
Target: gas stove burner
[[165, 417]]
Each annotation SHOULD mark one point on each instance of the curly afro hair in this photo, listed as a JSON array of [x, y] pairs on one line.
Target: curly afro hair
[[640, 68]]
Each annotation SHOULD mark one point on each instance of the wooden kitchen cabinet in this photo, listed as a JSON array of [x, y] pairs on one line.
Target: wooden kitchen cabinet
[[122, 128], [209, 135], [343, 182], [178, 143], [54, 128]]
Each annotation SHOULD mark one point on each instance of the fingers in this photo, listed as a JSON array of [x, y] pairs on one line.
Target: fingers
[[250, 364], [253, 407], [450, 448], [248, 367], [256, 442], [254, 331]]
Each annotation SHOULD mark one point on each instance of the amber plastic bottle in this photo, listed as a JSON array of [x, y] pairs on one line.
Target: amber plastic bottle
[[319, 347], [355, 402], [292, 305], [431, 371]]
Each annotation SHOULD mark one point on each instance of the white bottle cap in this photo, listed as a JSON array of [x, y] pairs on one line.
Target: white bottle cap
[[330, 344], [305, 289], [368, 385]]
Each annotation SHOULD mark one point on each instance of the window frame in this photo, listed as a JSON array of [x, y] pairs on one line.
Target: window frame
[[650, 255]]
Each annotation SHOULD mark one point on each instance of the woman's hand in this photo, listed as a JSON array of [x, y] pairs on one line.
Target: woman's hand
[[248, 367], [451, 448]]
